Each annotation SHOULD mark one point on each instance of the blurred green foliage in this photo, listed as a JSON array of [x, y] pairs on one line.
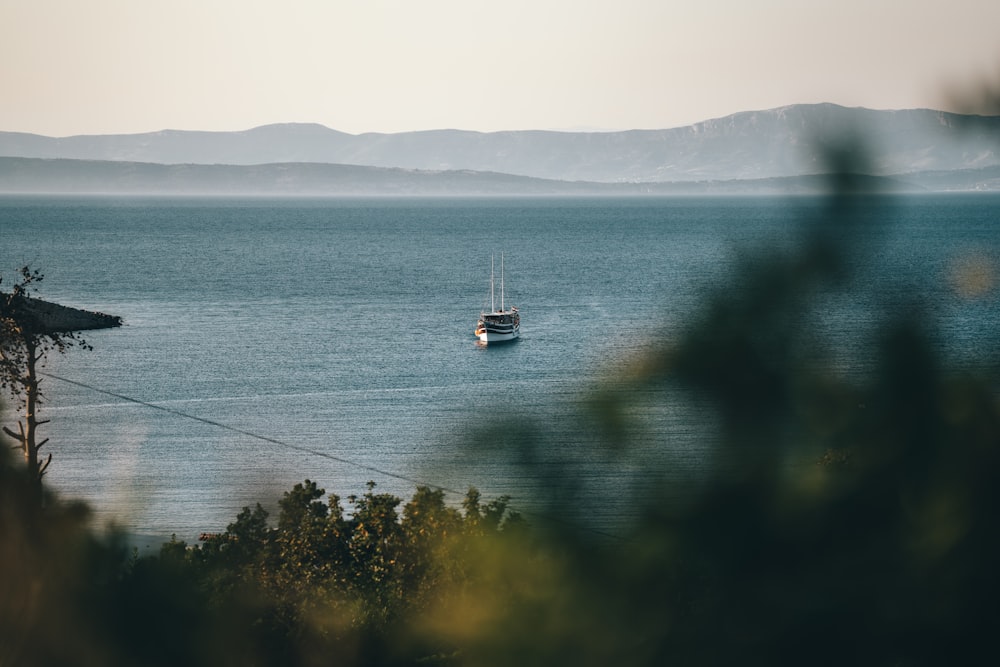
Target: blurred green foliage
[[321, 585]]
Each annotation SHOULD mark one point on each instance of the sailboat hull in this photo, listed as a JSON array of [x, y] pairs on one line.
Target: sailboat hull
[[499, 326], [490, 335]]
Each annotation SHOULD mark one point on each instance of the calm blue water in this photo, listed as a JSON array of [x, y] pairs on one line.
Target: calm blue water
[[335, 336]]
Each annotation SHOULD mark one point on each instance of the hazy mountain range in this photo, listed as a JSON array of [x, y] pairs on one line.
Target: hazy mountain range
[[778, 150]]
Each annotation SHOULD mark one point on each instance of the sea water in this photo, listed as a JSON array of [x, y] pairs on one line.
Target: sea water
[[267, 341]]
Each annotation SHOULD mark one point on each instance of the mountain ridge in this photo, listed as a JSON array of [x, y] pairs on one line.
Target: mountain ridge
[[37, 176], [774, 143]]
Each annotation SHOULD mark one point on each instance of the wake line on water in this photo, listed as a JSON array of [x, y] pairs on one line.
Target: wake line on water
[[125, 402]]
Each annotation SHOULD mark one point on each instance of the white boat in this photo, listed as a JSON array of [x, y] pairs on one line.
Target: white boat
[[498, 326]]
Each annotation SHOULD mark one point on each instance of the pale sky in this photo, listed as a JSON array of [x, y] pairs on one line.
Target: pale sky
[[122, 66]]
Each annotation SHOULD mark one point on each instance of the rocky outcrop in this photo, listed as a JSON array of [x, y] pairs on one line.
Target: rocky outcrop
[[44, 317]]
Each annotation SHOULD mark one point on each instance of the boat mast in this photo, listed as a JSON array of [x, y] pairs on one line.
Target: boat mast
[[501, 282], [492, 307]]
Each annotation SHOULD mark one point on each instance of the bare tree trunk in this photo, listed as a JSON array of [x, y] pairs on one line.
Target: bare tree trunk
[[29, 427], [31, 404]]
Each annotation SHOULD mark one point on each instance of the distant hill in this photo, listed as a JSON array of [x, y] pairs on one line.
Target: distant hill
[[45, 176], [753, 145], [59, 176]]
